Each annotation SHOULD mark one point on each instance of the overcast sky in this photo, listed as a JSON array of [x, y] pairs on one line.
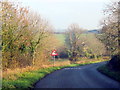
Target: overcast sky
[[62, 13]]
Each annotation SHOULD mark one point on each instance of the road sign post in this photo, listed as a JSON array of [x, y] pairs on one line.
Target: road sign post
[[54, 53], [54, 61]]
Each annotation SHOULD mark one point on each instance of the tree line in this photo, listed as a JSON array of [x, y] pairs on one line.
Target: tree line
[[26, 36]]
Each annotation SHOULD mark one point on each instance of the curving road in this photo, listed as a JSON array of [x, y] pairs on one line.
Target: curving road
[[78, 77]]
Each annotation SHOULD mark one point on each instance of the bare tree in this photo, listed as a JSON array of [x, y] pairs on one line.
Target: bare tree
[[72, 40], [111, 28], [111, 33]]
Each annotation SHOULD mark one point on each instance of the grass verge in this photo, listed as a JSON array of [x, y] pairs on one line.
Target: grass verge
[[113, 74], [29, 78]]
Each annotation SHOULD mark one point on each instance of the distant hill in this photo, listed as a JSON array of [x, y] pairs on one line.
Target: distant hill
[[59, 32], [93, 31]]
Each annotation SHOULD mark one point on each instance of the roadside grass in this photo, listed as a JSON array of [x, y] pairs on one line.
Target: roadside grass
[[27, 79], [110, 73]]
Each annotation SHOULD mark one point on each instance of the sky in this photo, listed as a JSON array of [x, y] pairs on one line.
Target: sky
[[62, 13]]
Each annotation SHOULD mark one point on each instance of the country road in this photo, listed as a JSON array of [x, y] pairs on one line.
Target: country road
[[78, 77]]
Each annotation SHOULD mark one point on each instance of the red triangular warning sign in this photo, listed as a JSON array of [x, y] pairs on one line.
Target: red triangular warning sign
[[54, 53]]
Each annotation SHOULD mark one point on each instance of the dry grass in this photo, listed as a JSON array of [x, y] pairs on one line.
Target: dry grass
[[63, 63], [11, 73], [86, 60]]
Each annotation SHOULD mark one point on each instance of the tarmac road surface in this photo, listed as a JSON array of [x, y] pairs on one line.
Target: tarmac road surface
[[78, 77]]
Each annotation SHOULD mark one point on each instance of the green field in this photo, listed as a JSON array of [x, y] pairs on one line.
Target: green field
[[61, 37]]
